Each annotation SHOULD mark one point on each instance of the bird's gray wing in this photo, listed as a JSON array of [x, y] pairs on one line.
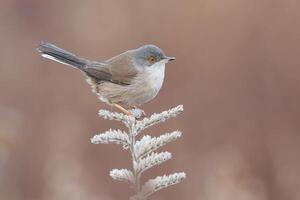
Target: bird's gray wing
[[98, 71], [119, 69], [122, 69]]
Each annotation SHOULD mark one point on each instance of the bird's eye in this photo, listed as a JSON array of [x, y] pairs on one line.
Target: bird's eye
[[152, 59]]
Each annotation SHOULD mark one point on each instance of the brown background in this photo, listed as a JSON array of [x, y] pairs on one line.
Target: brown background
[[237, 74]]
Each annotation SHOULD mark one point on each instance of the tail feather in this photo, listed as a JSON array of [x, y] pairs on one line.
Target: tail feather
[[55, 53]]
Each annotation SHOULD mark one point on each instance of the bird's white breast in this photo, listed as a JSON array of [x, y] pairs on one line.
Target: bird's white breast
[[155, 76], [146, 85]]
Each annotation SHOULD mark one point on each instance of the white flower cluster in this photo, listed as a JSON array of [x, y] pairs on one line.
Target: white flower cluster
[[157, 118], [122, 175], [142, 151], [149, 144], [112, 136], [105, 114], [151, 160], [158, 183]]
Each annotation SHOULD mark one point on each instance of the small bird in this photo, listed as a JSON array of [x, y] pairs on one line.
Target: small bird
[[129, 79]]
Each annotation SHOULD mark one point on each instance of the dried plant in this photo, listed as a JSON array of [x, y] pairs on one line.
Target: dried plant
[[143, 151]]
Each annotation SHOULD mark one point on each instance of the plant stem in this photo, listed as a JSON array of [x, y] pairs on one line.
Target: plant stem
[[132, 133]]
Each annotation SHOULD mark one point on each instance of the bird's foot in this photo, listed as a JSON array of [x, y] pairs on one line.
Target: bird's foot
[[135, 112], [138, 113]]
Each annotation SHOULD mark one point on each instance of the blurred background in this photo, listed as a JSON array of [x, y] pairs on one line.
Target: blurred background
[[236, 73]]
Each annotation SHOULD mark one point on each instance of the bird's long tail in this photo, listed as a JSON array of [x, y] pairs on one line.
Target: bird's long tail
[[57, 54]]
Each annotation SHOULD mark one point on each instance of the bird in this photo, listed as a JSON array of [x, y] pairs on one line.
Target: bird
[[125, 81]]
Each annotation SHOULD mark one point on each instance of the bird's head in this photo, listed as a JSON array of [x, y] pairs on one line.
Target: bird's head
[[149, 55]]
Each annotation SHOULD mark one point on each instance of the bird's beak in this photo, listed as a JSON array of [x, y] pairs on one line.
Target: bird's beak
[[169, 58]]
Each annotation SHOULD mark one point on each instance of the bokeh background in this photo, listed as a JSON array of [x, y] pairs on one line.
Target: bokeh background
[[237, 74]]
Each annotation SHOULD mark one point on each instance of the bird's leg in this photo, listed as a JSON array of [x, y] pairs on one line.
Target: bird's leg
[[122, 109]]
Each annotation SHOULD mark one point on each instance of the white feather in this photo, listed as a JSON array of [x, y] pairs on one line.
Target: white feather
[[53, 58], [147, 84], [155, 75]]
